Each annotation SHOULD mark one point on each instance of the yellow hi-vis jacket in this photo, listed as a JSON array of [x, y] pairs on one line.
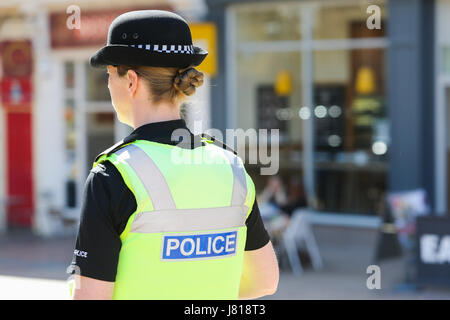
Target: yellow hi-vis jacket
[[187, 236]]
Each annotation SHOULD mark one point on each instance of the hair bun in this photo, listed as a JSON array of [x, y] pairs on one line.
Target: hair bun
[[186, 80]]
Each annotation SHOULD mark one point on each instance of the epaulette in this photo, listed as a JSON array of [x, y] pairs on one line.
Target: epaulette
[[117, 146], [217, 142]]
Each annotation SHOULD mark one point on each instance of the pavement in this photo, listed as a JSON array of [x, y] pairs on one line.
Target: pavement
[[33, 267]]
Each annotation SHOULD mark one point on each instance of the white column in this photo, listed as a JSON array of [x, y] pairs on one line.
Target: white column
[[231, 74], [48, 128], [190, 10], [80, 128], [198, 117], [308, 100]]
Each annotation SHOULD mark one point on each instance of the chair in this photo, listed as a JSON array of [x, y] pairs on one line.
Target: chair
[[298, 231]]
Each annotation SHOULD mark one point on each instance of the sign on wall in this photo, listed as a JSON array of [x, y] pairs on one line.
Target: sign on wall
[[17, 59], [271, 107], [204, 36], [433, 239], [16, 83], [93, 27]]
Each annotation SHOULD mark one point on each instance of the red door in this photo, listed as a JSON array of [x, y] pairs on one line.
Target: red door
[[20, 204], [16, 99]]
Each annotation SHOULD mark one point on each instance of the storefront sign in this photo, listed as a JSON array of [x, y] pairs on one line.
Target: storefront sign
[[272, 109], [433, 239], [92, 31]]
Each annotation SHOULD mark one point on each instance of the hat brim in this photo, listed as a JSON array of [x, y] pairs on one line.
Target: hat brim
[[125, 55]]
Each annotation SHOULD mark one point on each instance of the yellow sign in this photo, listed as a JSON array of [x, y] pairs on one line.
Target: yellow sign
[[204, 36]]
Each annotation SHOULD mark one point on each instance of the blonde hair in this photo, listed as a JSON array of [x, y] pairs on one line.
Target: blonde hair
[[167, 84]]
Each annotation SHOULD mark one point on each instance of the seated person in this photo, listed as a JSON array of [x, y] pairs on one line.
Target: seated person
[[296, 197], [270, 202]]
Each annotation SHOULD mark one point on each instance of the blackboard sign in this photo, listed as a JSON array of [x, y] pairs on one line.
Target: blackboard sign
[[273, 111], [433, 254]]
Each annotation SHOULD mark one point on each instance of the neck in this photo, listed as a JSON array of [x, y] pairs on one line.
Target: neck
[[143, 113]]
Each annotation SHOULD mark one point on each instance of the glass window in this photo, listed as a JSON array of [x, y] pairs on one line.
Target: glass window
[[268, 22], [351, 129], [69, 75], [445, 60], [269, 97], [96, 84], [350, 137], [100, 134], [70, 136], [70, 124], [335, 21]]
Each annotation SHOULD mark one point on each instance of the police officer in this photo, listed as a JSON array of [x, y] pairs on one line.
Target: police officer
[[155, 222]]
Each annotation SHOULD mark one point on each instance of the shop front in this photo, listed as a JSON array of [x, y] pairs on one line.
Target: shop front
[[332, 115], [73, 119], [91, 125], [354, 103], [319, 72]]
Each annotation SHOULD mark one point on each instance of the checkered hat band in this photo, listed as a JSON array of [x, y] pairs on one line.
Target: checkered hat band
[[165, 48]]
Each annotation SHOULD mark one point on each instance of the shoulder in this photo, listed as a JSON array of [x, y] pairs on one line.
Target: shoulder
[[106, 176], [106, 189], [116, 146]]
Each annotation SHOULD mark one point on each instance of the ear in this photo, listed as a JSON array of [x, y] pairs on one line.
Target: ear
[[132, 82]]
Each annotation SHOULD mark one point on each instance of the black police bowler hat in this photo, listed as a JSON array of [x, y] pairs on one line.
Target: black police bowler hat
[[149, 38]]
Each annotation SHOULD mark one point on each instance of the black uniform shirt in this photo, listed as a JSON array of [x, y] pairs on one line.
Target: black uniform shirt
[[108, 203]]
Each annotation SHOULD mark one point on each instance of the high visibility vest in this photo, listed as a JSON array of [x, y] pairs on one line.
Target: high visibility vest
[[187, 236]]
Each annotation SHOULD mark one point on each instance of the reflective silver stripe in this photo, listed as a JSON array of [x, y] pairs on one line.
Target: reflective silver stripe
[[151, 177], [186, 220], [165, 217], [239, 193]]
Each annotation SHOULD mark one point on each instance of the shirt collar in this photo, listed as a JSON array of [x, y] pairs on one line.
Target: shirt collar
[[159, 131]]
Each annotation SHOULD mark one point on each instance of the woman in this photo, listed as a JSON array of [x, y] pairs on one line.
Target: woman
[[152, 228]]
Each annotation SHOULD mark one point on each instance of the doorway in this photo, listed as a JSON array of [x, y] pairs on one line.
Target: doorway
[[99, 134], [91, 125]]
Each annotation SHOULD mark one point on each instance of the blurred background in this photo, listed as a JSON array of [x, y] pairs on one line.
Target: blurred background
[[358, 89]]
